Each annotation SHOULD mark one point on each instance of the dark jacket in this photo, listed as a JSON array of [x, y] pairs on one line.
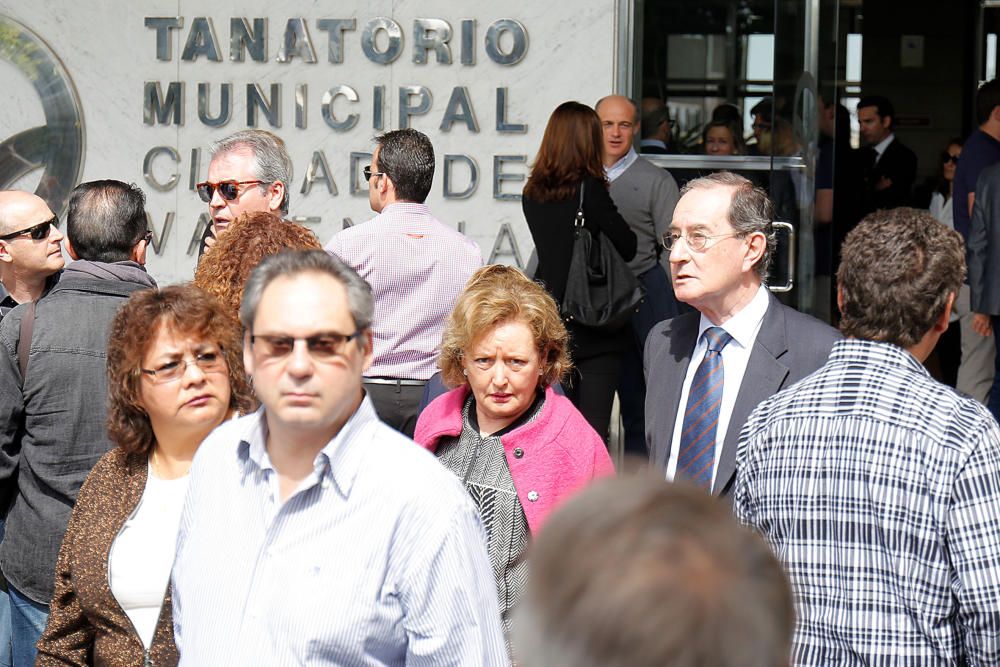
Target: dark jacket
[[52, 429], [86, 624], [898, 164], [983, 252], [551, 226]]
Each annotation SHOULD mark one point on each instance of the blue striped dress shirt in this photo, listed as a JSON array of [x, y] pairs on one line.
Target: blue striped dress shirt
[[378, 558], [879, 489]]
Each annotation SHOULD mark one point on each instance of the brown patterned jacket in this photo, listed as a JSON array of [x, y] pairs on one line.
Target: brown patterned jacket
[[86, 624]]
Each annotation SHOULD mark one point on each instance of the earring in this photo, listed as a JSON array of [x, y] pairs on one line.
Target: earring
[[465, 372]]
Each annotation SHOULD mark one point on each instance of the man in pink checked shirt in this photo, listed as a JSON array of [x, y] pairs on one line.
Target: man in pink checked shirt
[[416, 265]]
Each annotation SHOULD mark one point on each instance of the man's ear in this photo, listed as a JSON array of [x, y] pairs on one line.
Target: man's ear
[[275, 195], [756, 245], [70, 250], [247, 354], [5, 255]]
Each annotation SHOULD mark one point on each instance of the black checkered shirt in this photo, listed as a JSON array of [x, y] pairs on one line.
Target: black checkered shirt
[[879, 489]]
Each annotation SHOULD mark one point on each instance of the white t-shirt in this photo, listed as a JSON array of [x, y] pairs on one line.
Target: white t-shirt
[[143, 553]]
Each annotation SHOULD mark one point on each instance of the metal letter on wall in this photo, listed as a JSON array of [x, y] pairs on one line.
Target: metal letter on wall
[[329, 98], [159, 240], [520, 41], [459, 109], [468, 41], [406, 109], [56, 146], [296, 43], [505, 234], [301, 100], [257, 100], [204, 220], [369, 37], [163, 25], [336, 29], [378, 107], [225, 105], [201, 41], [318, 170], [147, 168], [500, 177], [253, 40], [358, 160], [449, 175], [431, 34], [156, 109], [502, 124]]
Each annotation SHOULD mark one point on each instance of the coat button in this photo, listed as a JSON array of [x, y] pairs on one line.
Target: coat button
[[532, 496], [518, 453]]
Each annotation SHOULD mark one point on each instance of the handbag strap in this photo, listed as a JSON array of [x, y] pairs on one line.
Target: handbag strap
[[579, 209]]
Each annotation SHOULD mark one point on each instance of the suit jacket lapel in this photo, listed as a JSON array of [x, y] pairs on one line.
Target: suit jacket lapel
[[682, 335], [764, 377]]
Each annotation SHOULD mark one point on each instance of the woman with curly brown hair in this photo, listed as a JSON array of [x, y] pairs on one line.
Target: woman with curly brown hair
[[174, 374], [223, 270], [520, 448]]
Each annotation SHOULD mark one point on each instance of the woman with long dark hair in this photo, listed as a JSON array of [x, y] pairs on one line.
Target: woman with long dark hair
[[570, 161]]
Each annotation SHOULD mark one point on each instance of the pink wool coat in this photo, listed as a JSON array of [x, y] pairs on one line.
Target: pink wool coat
[[549, 458]]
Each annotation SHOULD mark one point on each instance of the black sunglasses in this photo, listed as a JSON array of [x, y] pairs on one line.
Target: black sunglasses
[[228, 190], [36, 232], [946, 158], [367, 171]]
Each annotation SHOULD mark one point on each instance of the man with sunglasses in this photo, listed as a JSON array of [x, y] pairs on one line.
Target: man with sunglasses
[[249, 172], [52, 418], [30, 252], [312, 531], [707, 370], [416, 265]]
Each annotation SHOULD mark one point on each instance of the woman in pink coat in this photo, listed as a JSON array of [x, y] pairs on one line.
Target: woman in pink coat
[[520, 448]]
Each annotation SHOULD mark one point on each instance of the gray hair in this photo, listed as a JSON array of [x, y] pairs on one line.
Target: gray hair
[[635, 571], [750, 211], [295, 262], [271, 161], [635, 107], [106, 219]]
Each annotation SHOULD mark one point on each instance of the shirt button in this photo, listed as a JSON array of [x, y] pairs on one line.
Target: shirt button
[[532, 496], [518, 453]]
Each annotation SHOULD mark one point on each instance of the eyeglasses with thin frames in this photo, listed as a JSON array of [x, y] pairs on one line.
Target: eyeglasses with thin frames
[[36, 232], [696, 241], [325, 346], [207, 362], [228, 190]]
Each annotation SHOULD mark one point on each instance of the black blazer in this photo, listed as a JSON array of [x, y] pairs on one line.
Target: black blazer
[[983, 251], [899, 164], [789, 346]]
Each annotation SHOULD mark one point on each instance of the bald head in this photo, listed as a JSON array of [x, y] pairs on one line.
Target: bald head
[[19, 209]]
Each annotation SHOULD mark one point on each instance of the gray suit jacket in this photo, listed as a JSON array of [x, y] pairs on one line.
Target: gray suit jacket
[[789, 346], [983, 246]]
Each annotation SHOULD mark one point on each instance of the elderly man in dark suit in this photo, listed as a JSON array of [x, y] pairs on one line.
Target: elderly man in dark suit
[[890, 167], [983, 257], [706, 371]]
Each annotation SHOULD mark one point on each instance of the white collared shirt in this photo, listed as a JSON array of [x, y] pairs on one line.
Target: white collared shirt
[[882, 145], [743, 327], [618, 168]]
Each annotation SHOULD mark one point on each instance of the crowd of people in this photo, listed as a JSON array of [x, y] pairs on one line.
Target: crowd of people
[[381, 452]]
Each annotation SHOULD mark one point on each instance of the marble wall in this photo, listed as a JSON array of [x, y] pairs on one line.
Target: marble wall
[[110, 52]]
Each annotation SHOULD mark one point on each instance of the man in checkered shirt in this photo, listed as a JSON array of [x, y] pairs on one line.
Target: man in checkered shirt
[[878, 487]]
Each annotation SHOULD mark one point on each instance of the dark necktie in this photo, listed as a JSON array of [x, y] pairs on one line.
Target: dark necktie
[[696, 457]]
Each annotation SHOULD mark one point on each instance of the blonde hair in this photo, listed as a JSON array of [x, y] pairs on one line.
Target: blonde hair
[[497, 294]]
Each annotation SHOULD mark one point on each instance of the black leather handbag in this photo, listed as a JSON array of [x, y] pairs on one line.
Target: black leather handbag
[[601, 290]]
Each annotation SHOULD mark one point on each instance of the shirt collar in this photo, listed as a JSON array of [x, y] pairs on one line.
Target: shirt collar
[[653, 142], [340, 459], [405, 207], [743, 325], [882, 145], [618, 168], [873, 353]]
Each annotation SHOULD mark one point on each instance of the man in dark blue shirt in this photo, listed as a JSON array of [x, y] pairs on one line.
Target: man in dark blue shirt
[[981, 149]]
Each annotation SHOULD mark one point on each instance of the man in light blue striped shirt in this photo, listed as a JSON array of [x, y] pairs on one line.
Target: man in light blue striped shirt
[[313, 533], [878, 487]]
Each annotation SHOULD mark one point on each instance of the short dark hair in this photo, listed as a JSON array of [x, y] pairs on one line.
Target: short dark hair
[[105, 220], [271, 162], [987, 99], [295, 262], [883, 107], [750, 211], [652, 119], [407, 157], [897, 269], [636, 571]]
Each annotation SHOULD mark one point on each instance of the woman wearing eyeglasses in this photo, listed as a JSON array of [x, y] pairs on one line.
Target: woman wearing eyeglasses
[[173, 376], [570, 161]]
